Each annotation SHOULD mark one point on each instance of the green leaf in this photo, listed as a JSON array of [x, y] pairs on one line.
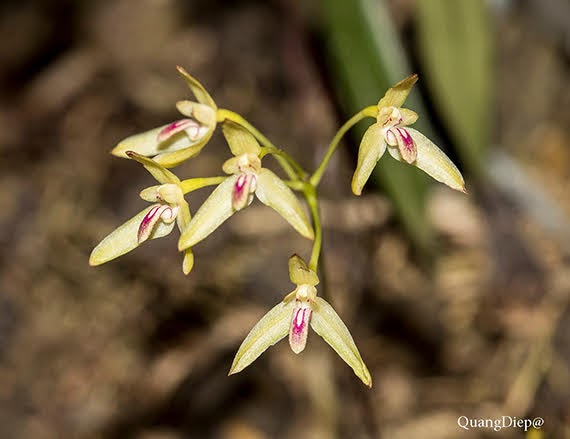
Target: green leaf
[[455, 40], [272, 327], [366, 57], [326, 322]]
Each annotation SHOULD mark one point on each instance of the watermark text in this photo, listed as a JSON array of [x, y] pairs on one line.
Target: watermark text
[[498, 424]]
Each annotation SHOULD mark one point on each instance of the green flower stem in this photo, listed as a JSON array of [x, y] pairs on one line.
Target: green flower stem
[[289, 165], [310, 193], [280, 155], [296, 185], [366, 112], [192, 184], [296, 174]]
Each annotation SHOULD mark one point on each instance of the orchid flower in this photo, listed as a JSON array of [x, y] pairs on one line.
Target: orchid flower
[[178, 141], [247, 179], [293, 316], [391, 132], [169, 208]]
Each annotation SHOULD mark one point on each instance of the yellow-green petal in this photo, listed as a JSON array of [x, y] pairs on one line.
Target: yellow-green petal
[[184, 217], [272, 327], [239, 139], [198, 89], [201, 113], [171, 159], [216, 209], [409, 117], [397, 94], [147, 143], [432, 161], [150, 194], [125, 238], [160, 173], [273, 192], [231, 166], [187, 261], [300, 274], [371, 149], [326, 322]]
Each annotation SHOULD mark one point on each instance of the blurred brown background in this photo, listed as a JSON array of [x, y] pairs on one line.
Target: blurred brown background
[[134, 349]]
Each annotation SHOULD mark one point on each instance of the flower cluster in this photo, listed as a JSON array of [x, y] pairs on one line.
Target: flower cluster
[[170, 145]]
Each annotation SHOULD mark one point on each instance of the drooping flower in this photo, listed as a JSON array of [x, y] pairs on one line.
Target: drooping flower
[[293, 316], [180, 140], [391, 131], [169, 208], [247, 179]]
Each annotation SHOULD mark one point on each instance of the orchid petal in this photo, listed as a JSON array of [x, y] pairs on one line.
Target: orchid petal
[[248, 163], [273, 192], [243, 190], [299, 327], [194, 130], [299, 273], [409, 117], [147, 143], [239, 139], [326, 322], [188, 261], [150, 194], [170, 193], [184, 217], [216, 209], [231, 166], [272, 327], [371, 149], [201, 113], [124, 239], [397, 94], [161, 174], [198, 89], [159, 213], [169, 159], [400, 137], [432, 161]]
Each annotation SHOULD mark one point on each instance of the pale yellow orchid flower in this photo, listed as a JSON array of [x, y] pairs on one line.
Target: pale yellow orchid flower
[[178, 141], [237, 191], [391, 132], [169, 208], [293, 316]]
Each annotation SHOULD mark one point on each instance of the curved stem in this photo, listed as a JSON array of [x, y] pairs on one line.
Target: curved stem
[[289, 165], [191, 184], [296, 185], [312, 200], [366, 112], [301, 174]]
